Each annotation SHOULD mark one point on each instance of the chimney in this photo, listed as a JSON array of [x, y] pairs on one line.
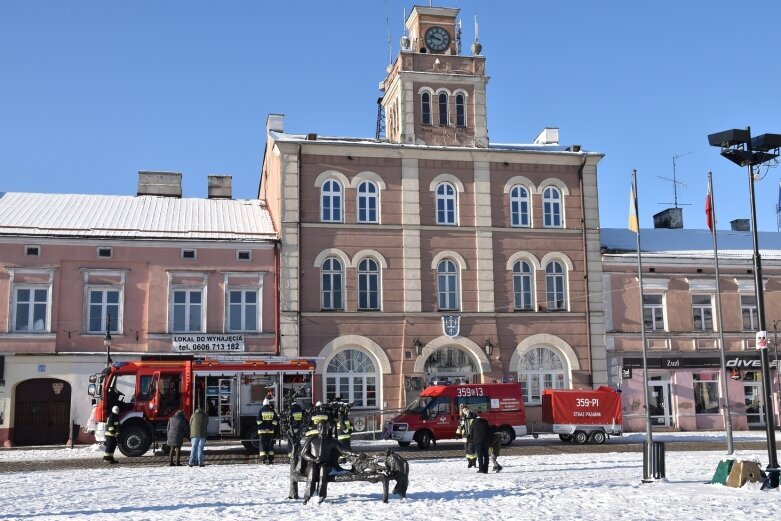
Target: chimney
[[275, 122], [166, 184], [740, 225], [671, 218], [220, 187], [549, 136]]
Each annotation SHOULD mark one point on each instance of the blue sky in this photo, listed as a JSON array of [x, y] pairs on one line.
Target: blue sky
[[93, 91]]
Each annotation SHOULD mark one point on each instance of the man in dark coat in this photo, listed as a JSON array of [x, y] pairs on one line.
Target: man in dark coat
[[268, 425], [321, 453], [177, 430], [112, 433], [481, 439], [198, 426], [464, 427]]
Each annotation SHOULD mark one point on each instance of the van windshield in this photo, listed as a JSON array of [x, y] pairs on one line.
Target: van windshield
[[419, 405]]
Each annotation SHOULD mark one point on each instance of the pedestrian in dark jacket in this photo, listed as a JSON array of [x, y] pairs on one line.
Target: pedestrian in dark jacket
[[481, 439], [112, 433], [198, 424], [268, 427], [177, 430]]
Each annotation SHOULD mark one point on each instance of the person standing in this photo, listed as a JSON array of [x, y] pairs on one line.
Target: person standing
[[112, 433], [268, 424], [175, 433], [198, 424], [496, 447], [481, 435], [344, 426], [464, 427]]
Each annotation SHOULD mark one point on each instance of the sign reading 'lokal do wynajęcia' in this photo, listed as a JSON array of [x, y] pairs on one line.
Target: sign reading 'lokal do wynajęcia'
[[207, 343]]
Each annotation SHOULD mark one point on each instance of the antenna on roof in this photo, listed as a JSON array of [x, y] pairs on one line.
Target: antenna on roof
[[675, 182], [388, 31]]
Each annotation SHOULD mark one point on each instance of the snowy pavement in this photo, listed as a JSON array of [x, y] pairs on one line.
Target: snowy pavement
[[588, 486]]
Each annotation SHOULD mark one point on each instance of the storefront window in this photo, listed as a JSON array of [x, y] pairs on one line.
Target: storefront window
[[706, 393]]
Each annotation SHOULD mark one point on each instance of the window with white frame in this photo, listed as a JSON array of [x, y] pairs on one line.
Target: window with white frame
[[352, 376], [446, 203], [748, 310], [555, 286], [460, 110], [447, 285], [368, 199], [331, 280], [331, 201], [368, 284], [551, 207], [519, 206], [31, 308], [539, 369], [702, 312], [243, 310], [443, 119], [104, 304], [187, 310], [425, 108], [706, 392], [653, 312], [523, 296]]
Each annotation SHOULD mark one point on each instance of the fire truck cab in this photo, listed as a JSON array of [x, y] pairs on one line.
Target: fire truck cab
[[148, 393]]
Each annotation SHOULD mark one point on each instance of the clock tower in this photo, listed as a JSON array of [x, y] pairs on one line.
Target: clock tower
[[432, 94]]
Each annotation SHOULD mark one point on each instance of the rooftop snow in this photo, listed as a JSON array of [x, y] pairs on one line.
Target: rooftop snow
[[688, 243]]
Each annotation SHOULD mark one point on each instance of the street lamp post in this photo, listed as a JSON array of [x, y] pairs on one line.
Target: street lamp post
[[738, 146]]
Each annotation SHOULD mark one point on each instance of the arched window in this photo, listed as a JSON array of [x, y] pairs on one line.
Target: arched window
[[540, 368], [331, 201], [367, 202], [447, 285], [523, 295], [446, 204], [551, 207], [352, 376], [555, 286], [450, 365], [331, 284], [425, 108], [460, 111], [443, 108], [519, 206], [368, 284]]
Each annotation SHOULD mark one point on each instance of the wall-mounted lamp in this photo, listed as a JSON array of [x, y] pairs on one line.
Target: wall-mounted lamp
[[489, 346], [418, 346]]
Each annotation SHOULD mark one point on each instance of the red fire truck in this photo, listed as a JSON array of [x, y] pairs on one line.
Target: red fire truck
[[582, 415], [230, 392]]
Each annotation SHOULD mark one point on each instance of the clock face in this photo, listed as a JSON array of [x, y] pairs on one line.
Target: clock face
[[437, 39]]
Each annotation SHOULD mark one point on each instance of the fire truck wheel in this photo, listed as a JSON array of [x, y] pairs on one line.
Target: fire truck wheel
[[404, 443], [598, 437], [507, 434], [580, 437], [424, 439], [251, 440], [566, 438], [134, 440]]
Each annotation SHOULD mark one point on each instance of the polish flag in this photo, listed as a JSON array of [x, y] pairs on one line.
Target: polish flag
[[709, 210]]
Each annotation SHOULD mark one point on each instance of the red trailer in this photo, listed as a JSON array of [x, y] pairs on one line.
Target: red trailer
[[583, 415]]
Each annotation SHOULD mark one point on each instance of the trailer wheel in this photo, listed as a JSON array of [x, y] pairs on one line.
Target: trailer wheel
[[580, 437], [251, 440], [507, 434], [404, 443], [566, 438], [424, 439], [598, 437], [134, 440], [535, 435]]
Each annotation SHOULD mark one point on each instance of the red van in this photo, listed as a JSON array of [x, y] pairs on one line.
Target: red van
[[434, 415]]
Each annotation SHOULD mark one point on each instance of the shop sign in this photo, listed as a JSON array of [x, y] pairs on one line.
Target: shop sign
[[734, 361], [205, 343]]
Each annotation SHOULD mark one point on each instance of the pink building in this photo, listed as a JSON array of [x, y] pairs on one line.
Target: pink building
[[430, 254], [156, 265], [682, 326]]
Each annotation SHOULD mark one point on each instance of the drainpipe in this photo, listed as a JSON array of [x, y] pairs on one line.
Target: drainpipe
[[585, 272], [298, 270], [277, 339]]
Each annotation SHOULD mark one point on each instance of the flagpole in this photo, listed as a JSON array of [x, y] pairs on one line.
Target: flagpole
[[648, 459], [724, 376]]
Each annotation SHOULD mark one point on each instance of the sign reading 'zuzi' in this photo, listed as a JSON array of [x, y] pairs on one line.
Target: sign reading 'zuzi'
[[206, 343]]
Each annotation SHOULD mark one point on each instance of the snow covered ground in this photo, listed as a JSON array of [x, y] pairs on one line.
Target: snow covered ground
[[568, 486]]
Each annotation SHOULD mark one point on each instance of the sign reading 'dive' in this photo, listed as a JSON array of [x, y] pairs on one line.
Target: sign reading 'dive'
[[206, 343]]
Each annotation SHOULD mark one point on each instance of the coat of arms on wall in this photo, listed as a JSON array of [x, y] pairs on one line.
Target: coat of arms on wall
[[451, 325]]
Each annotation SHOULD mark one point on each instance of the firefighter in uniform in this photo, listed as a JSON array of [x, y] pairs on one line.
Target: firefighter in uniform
[[268, 425], [344, 426], [296, 420], [112, 432], [464, 426]]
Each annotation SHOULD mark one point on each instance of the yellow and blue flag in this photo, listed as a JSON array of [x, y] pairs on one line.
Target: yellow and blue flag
[[633, 209]]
